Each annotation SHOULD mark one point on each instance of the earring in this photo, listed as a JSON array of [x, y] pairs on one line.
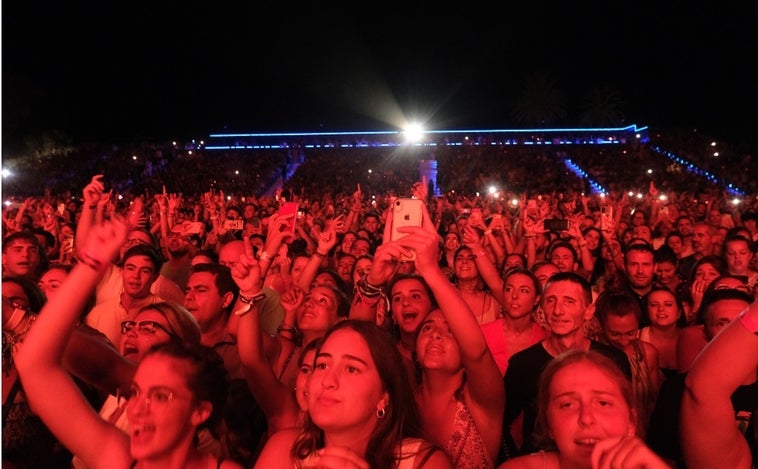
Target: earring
[[380, 413]]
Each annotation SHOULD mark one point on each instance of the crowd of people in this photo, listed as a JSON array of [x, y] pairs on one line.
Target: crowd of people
[[543, 326]]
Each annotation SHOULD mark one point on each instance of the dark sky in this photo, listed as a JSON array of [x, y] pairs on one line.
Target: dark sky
[[99, 73]]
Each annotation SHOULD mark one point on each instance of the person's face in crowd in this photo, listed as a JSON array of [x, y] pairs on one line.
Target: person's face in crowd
[[638, 218], [750, 225], [232, 215], [138, 274], [301, 381], [345, 268], [565, 307], [203, 299], [318, 311], [371, 224], [345, 389], [619, 331], [610, 250], [249, 212], [464, 265], [230, 253], [592, 238], [14, 297], [360, 247], [738, 257], [161, 407], [410, 303], [520, 295], [720, 314], [586, 223], [452, 242], [563, 258], [436, 348], [586, 405], [361, 268], [296, 270], [702, 241], [642, 232], [150, 329], [406, 267], [700, 210], [706, 272], [662, 308], [21, 258], [639, 268], [178, 245], [676, 245], [347, 242], [511, 261], [714, 217], [65, 233], [51, 281], [684, 226], [544, 272], [665, 272]]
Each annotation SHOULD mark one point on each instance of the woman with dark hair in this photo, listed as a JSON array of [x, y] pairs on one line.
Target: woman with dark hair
[[705, 270], [360, 409], [664, 313], [586, 418], [177, 389], [516, 330], [619, 314]]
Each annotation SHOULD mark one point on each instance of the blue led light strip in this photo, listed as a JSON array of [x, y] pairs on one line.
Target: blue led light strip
[[692, 168], [576, 169]]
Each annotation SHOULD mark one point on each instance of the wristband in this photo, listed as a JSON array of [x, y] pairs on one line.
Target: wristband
[[316, 253], [750, 323], [264, 256], [258, 297]]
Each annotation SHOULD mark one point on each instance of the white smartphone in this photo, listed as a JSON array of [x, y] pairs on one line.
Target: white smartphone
[[405, 212]]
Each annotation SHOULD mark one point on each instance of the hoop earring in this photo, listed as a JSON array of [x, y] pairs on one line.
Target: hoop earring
[[380, 413]]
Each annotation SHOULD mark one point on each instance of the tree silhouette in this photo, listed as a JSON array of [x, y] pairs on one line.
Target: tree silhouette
[[602, 108], [541, 102]]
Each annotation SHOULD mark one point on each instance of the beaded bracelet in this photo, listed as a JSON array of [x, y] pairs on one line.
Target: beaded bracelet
[[367, 290]]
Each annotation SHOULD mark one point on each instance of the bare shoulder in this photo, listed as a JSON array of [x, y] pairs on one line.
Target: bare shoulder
[[432, 457], [229, 464], [276, 451]]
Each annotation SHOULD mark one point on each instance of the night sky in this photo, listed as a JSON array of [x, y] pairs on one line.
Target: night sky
[[98, 73]]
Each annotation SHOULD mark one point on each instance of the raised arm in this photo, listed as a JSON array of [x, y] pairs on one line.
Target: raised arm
[[483, 378], [275, 399], [51, 392], [710, 437], [487, 269]]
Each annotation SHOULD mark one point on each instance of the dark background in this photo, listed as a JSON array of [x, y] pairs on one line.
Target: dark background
[[104, 72]]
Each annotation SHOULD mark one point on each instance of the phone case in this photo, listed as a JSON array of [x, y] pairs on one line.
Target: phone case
[[405, 212], [290, 208]]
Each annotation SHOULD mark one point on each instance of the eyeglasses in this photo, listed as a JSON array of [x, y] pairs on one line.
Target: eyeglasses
[[144, 327], [156, 398]]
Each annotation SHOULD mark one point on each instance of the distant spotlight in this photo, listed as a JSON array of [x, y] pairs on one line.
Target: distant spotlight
[[120, 197], [7, 173], [662, 197], [514, 202], [413, 133], [492, 189], [631, 194], [237, 172], [736, 201], [602, 194], [713, 144], [369, 171], [639, 195], [477, 194], [190, 152], [7, 203], [134, 157], [716, 154], [650, 171]]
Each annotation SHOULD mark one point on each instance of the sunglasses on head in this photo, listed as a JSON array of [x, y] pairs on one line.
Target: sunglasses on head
[[144, 327]]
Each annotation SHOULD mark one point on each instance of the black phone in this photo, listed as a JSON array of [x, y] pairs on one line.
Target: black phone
[[556, 224]]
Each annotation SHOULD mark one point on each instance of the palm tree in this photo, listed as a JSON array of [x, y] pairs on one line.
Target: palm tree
[[602, 108], [541, 102]]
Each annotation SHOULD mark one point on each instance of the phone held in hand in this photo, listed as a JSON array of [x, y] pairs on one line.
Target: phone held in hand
[[405, 212], [289, 209], [556, 224]]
